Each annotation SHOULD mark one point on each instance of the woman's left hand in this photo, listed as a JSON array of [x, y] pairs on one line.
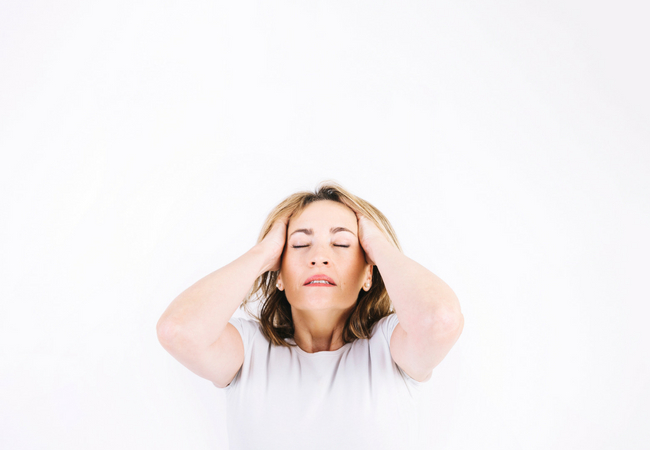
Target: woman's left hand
[[369, 236]]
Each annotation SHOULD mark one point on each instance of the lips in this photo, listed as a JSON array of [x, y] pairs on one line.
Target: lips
[[320, 276]]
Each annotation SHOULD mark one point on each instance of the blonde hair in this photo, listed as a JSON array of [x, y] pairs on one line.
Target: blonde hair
[[275, 311]]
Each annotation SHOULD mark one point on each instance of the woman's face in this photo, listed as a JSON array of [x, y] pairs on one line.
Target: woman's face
[[318, 243]]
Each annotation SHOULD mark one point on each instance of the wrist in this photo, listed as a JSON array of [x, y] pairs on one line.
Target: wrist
[[379, 249], [264, 257]]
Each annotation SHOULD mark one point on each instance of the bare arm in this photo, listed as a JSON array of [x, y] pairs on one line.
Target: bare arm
[[199, 315]]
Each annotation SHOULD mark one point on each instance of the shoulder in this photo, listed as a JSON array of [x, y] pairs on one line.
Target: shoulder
[[385, 326], [244, 322], [248, 327]]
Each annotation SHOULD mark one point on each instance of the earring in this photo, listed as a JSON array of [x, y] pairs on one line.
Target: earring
[[367, 285]]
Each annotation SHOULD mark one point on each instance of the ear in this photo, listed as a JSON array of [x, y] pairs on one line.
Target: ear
[[279, 282], [369, 270]]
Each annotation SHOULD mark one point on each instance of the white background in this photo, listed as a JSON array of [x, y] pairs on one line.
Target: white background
[[144, 143]]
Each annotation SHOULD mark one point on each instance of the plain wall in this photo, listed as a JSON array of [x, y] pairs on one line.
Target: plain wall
[[144, 143]]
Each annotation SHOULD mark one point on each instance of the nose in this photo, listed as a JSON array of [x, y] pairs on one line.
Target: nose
[[319, 256]]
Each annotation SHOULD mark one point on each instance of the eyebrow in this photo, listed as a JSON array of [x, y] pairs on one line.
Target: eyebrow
[[309, 231]]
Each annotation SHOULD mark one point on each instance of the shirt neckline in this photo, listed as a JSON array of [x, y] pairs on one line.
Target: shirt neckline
[[316, 355]]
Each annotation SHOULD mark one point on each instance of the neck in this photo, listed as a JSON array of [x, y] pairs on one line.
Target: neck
[[318, 331]]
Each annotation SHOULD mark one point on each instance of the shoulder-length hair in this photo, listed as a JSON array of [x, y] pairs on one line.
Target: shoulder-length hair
[[275, 311]]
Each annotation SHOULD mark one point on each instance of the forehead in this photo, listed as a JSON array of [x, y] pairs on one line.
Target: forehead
[[324, 213]]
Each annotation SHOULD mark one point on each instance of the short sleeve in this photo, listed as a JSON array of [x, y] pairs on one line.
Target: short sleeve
[[246, 328], [387, 325]]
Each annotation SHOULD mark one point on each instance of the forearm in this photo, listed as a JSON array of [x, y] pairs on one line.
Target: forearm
[[200, 314], [421, 299]]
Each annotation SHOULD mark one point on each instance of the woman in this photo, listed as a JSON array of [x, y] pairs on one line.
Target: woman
[[329, 363]]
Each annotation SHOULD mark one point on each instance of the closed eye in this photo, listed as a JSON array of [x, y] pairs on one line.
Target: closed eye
[[335, 245]]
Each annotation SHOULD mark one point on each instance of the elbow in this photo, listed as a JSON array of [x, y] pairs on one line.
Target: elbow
[[445, 324], [172, 335], [459, 324], [455, 325], [167, 333]]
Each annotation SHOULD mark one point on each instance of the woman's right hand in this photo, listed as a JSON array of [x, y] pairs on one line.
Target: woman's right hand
[[273, 242]]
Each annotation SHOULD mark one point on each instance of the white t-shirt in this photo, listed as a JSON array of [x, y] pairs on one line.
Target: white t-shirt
[[355, 397]]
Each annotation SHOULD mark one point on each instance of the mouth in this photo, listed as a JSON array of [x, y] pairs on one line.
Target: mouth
[[320, 283], [320, 280]]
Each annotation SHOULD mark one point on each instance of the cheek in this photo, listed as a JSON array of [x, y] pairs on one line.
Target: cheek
[[354, 269], [359, 256], [288, 268]]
